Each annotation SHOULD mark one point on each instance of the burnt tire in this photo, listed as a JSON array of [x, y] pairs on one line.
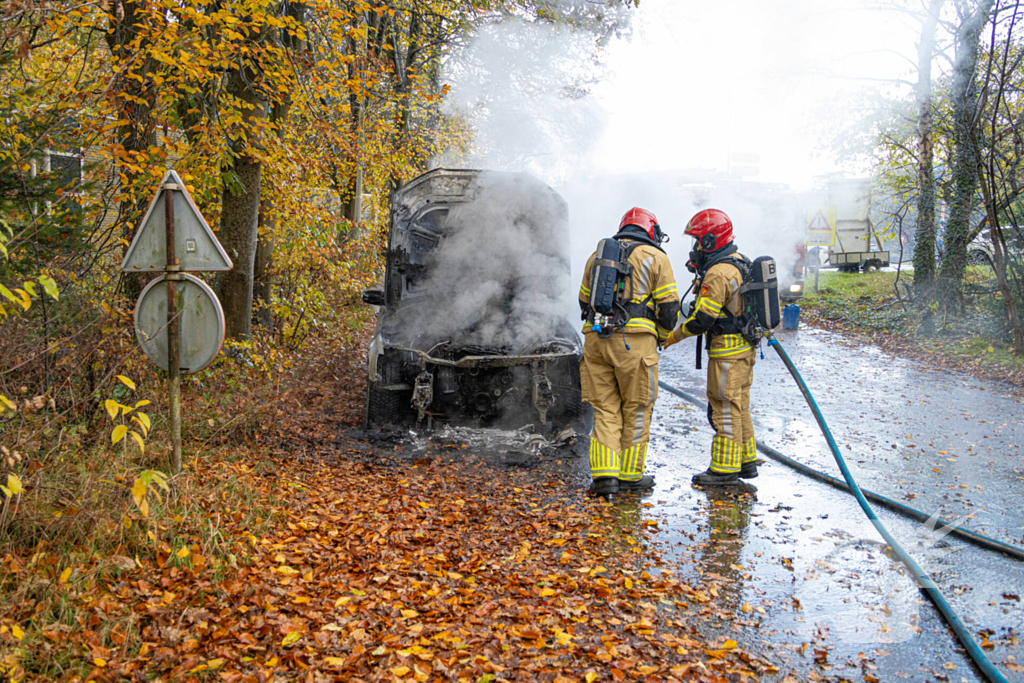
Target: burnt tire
[[384, 406]]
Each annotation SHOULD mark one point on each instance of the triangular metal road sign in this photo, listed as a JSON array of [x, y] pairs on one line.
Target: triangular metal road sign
[[819, 222], [195, 245]]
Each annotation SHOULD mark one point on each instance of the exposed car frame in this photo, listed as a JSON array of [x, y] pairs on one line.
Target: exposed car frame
[[423, 382]]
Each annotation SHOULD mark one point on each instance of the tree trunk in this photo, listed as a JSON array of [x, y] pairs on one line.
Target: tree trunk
[[262, 292], [999, 255], [403, 68], [987, 176], [239, 223], [924, 240], [136, 131], [965, 164], [352, 200]]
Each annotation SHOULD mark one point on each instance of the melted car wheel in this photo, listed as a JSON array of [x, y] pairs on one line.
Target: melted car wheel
[[385, 405]]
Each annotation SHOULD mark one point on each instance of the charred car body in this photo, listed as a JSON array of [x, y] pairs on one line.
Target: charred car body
[[471, 329]]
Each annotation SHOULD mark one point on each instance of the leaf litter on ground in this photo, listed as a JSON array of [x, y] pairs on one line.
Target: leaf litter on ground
[[384, 570]]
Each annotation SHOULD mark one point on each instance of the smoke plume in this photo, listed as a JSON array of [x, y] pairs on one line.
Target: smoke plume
[[500, 275]]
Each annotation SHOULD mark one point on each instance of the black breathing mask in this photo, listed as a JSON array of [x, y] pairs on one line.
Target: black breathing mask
[[696, 257], [659, 236]]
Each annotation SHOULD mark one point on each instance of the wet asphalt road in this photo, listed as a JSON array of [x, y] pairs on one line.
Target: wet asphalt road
[[827, 600]]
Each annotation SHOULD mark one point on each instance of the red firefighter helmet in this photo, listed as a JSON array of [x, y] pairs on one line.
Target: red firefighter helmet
[[642, 218], [711, 228]]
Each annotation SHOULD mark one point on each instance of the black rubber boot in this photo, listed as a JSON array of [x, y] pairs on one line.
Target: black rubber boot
[[709, 478], [748, 470], [644, 483], [604, 486]]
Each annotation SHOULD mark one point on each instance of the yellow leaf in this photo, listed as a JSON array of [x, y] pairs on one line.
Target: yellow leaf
[[290, 638], [14, 484], [215, 664], [334, 661], [139, 491], [629, 583], [590, 677], [424, 505], [18, 633], [729, 645], [112, 408], [99, 661], [410, 613], [547, 592], [49, 286], [143, 402], [747, 608], [400, 670], [138, 440], [26, 300], [342, 600], [65, 575], [301, 600], [143, 421], [6, 403], [127, 382], [183, 553], [118, 433]]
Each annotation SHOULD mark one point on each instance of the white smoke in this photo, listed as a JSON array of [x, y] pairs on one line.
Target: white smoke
[[524, 88], [501, 272], [767, 220]]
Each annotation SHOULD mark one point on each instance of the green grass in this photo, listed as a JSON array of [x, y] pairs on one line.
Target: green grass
[[867, 303], [831, 284]]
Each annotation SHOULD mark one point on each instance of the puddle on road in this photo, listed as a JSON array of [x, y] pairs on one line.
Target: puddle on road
[[811, 569]]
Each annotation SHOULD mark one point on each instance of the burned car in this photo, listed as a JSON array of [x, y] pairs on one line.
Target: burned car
[[472, 328]]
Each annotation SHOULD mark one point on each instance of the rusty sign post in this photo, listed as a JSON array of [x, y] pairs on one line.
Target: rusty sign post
[[173, 360], [186, 244]]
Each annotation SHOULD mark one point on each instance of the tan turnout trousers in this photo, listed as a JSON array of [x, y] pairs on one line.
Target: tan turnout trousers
[[730, 370], [729, 381], [622, 385]]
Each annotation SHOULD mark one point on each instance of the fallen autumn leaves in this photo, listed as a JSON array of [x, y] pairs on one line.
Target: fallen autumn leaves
[[377, 572]]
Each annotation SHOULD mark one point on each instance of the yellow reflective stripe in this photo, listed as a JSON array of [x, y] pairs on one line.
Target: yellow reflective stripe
[[604, 462], [726, 456], [732, 341], [710, 306], [585, 291], [633, 461], [642, 322], [665, 290], [723, 353], [750, 452]]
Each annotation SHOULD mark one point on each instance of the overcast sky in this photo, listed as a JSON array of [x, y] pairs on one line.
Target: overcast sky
[[697, 80]]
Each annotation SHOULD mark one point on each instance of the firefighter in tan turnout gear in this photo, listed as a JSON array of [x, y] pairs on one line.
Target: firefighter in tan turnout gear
[[631, 304], [730, 356]]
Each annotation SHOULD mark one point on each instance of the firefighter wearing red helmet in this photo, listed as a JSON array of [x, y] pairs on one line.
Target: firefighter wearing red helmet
[[715, 261], [619, 370]]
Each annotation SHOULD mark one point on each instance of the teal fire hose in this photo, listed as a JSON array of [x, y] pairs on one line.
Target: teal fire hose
[[971, 537], [925, 582]]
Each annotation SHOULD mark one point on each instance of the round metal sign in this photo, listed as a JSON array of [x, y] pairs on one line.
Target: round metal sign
[[200, 320]]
